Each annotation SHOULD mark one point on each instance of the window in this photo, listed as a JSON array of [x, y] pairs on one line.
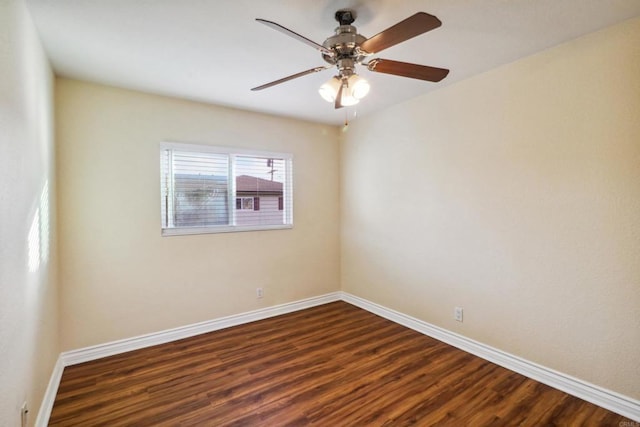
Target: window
[[199, 184], [248, 203]]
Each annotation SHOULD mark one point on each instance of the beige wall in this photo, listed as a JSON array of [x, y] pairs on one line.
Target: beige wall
[[28, 296], [119, 277], [515, 195]]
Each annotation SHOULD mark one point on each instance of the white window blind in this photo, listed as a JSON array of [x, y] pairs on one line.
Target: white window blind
[[206, 189]]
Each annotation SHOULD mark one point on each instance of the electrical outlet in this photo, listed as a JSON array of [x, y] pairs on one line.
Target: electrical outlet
[[24, 411], [457, 314], [259, 292]]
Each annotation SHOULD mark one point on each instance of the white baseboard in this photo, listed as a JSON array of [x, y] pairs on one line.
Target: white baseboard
[[50, 394], [608, 399], [87, 354]]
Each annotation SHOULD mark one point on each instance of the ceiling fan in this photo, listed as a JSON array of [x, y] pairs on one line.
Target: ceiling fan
[[347, 48]]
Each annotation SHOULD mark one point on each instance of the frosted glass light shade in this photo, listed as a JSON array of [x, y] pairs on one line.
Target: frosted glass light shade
[[347, 98], [359, 86], [329, 90]]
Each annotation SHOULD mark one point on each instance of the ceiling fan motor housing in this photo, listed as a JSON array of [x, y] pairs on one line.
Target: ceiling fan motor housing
[[345, 45]]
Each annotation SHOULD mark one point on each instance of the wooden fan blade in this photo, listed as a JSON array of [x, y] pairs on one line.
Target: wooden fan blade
[[405, 69], [338, 103], [404, 30], [291, 77], [296, 36]]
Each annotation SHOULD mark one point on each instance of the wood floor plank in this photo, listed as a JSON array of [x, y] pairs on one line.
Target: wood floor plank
[[331, 365]]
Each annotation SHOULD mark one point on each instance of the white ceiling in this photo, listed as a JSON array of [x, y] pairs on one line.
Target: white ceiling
[[214, 51]]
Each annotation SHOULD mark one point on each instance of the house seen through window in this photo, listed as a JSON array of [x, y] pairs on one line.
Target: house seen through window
[[206, 189]]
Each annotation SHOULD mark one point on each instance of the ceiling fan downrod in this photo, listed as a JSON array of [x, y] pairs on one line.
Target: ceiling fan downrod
[[345, 16]]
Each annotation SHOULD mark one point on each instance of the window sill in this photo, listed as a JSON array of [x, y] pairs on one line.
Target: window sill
[[184, 231]]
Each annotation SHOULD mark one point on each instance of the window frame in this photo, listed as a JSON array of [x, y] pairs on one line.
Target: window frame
[[232, 152], [242, 200]]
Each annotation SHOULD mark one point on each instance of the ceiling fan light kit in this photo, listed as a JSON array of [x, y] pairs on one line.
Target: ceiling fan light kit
[[347, 48], [355, 89]]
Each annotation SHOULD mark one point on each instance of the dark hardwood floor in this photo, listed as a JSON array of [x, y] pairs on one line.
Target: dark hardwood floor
[[332, 365]]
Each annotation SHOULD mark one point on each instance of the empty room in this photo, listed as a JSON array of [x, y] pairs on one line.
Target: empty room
[[331, 213]]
